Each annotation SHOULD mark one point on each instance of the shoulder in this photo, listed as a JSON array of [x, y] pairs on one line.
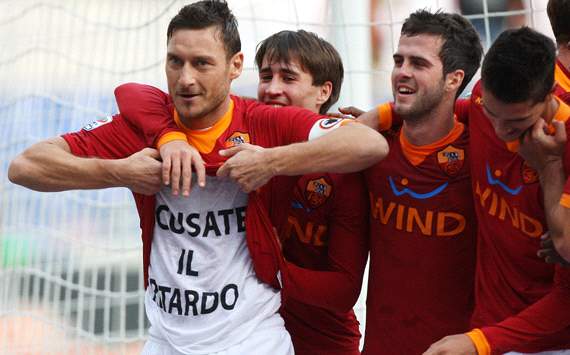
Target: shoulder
[[476, 93]]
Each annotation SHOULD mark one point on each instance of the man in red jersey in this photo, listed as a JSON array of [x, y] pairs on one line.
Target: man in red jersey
[[522, 304], [203, 296], [325, 232], [422, 241], [438, 55], [558, 14], [325, 236]]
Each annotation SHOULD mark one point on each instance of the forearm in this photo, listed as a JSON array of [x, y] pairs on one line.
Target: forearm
[[332, 290], [350, 148], [147, 108], [50, 166], [543, 319], [552, 180]]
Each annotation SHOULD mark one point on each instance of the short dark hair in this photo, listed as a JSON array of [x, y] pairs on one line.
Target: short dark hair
[[559, 15], [519, 66], [315, 55], [461, 48], [206, 13]]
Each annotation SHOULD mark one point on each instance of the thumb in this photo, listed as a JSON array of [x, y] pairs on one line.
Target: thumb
[[223, 171], [559, 130], [150, 152], [232, 151]]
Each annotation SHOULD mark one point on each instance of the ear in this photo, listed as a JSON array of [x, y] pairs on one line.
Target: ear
[[236, 65], [454, 80], [325, 91]]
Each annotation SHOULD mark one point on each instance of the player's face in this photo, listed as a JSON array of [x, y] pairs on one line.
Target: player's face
[[199, 75], [511, 120], [287, 84], [417, 77]]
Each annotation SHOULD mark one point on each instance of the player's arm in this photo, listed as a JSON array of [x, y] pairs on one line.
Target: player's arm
[[545, 153], [337, 290], [59, 164], [350, 147], [557, 206], [381, 118], [149, 109], [545, 317], [549, 315]]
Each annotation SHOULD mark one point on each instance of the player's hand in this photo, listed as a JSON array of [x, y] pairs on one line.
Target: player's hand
[[548, 252], [140, 172], [351, 111], [178, 159], [339, 115], [458, 344], [247, 165], [538, 147]]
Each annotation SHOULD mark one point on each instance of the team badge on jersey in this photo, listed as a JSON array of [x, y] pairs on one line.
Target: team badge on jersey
[[237, 138], [529, 175], [451, 160], [96, 124], [317, 192], [478, 100]]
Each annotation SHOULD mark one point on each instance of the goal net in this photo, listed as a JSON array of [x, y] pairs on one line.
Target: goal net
[[71, 262]]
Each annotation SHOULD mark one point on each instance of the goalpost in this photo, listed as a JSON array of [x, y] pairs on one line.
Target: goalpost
[[71, 262]]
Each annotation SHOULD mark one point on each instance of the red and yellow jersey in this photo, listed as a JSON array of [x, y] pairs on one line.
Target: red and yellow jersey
[[245, 121], [562, 90], [325, 244], [422, 244], [562, 78], [324, 234], [565, 199], [522, 303]]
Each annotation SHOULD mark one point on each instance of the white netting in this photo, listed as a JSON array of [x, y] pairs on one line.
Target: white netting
[[70, 263]]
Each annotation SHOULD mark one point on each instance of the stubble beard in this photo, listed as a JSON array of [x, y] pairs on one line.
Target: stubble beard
[[422, 109]]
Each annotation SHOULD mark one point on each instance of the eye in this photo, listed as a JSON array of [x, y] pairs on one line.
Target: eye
[[175, 61], [265, 78], [398, 61], [288, 78], [419, 63]]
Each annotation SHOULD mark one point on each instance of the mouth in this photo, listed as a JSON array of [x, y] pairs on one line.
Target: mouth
[[404, 90], [275, 103], [187, 96]]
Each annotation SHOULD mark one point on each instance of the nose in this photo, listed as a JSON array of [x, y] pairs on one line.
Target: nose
[[187, 76], [402, 71], [274, 87]]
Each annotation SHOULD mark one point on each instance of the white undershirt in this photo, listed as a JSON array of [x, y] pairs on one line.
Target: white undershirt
[[203, 295]]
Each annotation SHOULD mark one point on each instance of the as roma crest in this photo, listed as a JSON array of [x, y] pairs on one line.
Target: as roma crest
[[237, 138], [451, 160], [529, 175], [317, 192]]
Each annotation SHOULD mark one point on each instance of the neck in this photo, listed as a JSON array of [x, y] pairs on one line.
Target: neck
[[550, 109], [564, 56], [209, 119], [432, 127]]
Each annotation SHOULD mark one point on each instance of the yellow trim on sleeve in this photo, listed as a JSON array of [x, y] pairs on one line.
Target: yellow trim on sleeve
[[480, 342], [563, 112], [561, 77], [171, 136], [565, 200], [384, 117]]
